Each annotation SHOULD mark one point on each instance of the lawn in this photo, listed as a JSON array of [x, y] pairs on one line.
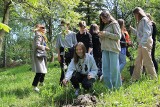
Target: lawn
[[16, 90]]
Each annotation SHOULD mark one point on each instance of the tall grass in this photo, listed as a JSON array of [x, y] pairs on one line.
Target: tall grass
[[16, 90]]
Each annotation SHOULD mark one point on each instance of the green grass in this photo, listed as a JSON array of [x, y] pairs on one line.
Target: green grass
[[16, 90]]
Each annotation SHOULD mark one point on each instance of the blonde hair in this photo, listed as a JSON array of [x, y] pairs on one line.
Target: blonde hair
[[38, 27]]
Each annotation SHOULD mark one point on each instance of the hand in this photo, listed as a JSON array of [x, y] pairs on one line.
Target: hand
[[101, 34], [89, 77], [130, 27], [64, 82], [129, 43], [47, 48]]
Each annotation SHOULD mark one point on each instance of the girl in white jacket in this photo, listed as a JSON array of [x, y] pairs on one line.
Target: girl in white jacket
[[82, 69], [144, 37]]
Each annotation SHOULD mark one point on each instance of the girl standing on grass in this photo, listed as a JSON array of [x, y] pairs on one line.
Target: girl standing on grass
[[145, 41], [97, 53], [110, 34], [154, 34], [39, 56], [122, 54]]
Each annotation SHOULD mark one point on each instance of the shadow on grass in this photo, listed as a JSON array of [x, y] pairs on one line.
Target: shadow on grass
[[65, 98], [19, 93], [58, 99], [16, 70]]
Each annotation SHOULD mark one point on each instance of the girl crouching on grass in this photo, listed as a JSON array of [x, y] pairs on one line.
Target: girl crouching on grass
[[82, 69]]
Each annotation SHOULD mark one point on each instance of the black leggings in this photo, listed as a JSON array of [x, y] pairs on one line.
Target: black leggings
[[153, 56], [67, 61], [39, 77], [80, 78]]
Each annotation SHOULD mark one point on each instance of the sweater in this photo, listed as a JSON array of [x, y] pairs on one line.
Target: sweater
[[88, 67], [111, 41], [143, 31]]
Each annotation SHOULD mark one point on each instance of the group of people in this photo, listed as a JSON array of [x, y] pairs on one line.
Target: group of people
[[101, 50]]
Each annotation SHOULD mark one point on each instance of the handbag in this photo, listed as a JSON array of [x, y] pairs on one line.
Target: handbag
[[41, 53]]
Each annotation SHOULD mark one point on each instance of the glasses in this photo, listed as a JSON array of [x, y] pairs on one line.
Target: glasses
[[42, 27]]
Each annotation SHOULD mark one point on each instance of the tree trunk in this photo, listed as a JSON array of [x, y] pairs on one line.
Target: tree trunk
[[52, 57], [4, 52], [50, 38], [2, 33]]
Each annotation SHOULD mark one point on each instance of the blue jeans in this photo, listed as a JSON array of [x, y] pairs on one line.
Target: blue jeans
[[122, 59], [110, 69]]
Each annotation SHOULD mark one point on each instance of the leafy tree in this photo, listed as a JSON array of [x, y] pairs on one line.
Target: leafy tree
[[89, 9], [5, 8], [27, 13], [125, 9], [50, 13], [5, 18]]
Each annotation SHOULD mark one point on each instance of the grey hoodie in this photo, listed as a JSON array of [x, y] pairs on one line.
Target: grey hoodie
[[89, 62], [143, 32], [111, 41]]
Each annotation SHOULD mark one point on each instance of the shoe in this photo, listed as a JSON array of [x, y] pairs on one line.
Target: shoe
[[101, 77], [36, 89], [41, 84], [77, 92]]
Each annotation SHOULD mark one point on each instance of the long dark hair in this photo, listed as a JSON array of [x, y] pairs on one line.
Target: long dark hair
[[140, 13], [121, 23], [76, 57], [94, 28], [106, 15]]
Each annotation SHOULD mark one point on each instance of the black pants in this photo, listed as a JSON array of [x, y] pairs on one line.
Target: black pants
[[39, 77], [128, 54], [67, 61], [98, 61], [153, 57], [80, 78]]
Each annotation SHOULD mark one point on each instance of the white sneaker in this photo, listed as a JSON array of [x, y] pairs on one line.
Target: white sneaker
[[101, 77], [77, 92], [36, 89]]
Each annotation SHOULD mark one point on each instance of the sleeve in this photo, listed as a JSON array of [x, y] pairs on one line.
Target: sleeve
[[133, 30], [70, 70], [39, 45], [93, 70], [77, 37], [147, 30], [117, 32], [74, 39], [90, 40]]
